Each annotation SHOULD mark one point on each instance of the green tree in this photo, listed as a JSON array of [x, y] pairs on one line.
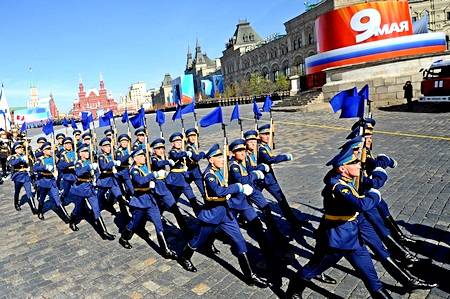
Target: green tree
[[257, 84], [229, 91], [282, 83]]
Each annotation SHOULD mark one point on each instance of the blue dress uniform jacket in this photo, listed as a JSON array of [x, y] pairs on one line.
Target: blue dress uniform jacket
[[141, 177], [19, 169], [66, 165], [266, 156], [194, 172], [46, 180], [106, 178], [239, 174], [123, 171], [139, 145], [177, 175], [161, 190], [216, 209]]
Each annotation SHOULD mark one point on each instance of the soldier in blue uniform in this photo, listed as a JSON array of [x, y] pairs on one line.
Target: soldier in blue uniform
[[59, 146], [123, 170], [338, 234], [40, 141], [66, 165], [194, 173], [216, 214], [143, 205], [109, 133], [87, 140], [164, 197], [83, 189], [106, 180], [45, 168], [77, 137], [5, 152], [270, 183], [177, 178], [140, 139], [20, 168]]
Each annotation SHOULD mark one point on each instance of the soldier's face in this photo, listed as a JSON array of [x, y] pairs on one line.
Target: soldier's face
[[368, 141], [192, 138], [216, 161], [251, 144], [47, 152], [141, 138], [87, 141], [60, 140], [19, 150], [68, 146], [140, 159], [159, 151], [77, 137], [3, 135], [264, 137], [84, 155], [106, 148], [350, 170], [177, 144], [239, 155], [124, 143]]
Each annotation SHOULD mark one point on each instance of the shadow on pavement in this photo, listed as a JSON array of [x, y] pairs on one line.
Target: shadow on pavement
[[419, 108]]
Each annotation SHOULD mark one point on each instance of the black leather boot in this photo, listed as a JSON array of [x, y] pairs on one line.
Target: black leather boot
[[123, 203], [407, 280], [165, 251], [32, 205], [397, 233], [65, 217], [250, 277], [40, 211], [381, 294], [325, 278], [16, 203], [125, 237], [400, 252], [273, 228], [73, 223], [185, 259], [103, 231], [295, 288]]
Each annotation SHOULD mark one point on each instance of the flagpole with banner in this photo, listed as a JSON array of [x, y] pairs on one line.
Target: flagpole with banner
[[160, 119], [256, 113], [267, 107], [235, 115], [147, 146], [197, 128]]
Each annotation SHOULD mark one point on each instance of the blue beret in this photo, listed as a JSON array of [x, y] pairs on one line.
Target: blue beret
[[86, 135], [108, 131], [76, 132], [158, 142], [214, 151], [105, 141], [41, 139], [249, 135], [264, 129], [176, 136], [46, 145], [191, 131], [68, 140], [60, 135], [353, 143], [17, 145], [137, 152], [236, 145], [124, 137], [83, 148], [140, 131], [344, 157]]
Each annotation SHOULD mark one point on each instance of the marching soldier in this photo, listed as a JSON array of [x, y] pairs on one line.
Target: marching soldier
[[338, 234], [87, 140], [77, 137], [216, 213], [5, 151], [40, 142], [59, 146], [15, 136], [143, 205], [140, 139], [66, 166], [161, 191], [84, 193], [123, 170], [21, 176], [109, 133], [176, 179], [106, 180], [270, 183], [46, 181], [194, 172]]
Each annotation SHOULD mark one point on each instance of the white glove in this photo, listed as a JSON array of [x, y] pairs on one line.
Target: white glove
[[94, 166], [171, 162], [259, 174], [49, 167], [189, 154], [152, 184], [376, 192], [289, 157], [228, 196], [117, 162], [266, 167], [247, 189], [395, 163], [161, 173]]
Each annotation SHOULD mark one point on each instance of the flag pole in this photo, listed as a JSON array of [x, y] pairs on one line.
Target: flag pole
[[225, 153], [197, 128], [240, 126], [272, 131], [55, 171], [147, 146]]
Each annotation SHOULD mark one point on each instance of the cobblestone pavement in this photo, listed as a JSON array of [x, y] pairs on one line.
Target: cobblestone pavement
[[46, 259]]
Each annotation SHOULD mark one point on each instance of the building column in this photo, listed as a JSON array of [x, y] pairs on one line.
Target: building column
[[295, 84]]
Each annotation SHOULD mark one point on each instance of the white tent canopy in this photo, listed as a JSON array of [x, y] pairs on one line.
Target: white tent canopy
[[5, 116]]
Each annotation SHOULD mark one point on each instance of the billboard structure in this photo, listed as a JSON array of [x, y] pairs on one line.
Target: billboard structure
[[30, 116], [369, 32], [182, 90]]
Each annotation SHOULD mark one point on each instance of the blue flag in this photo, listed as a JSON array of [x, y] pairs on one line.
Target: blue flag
[[2, 112], [235, 113], [160, 117], [256, 111], [86, 119], [214, 117], [349, 102], [364, 92], [23, 128], [74, 124], [267, 104], [104, 121], [338, 99], [178, 113], [48, 127], [139, 119], [188, 109], [125, 117], [65, 122]]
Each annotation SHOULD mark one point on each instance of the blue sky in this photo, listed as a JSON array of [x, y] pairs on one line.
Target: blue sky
[[128, 41]]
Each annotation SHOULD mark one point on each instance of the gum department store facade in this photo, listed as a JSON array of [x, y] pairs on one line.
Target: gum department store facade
[[246, 52]]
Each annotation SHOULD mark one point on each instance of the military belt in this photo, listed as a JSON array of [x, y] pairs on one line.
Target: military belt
[[46, 174], [214, 198], [142, 189], [341, 218], [178, 170], [84, 180], [21, 169]]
